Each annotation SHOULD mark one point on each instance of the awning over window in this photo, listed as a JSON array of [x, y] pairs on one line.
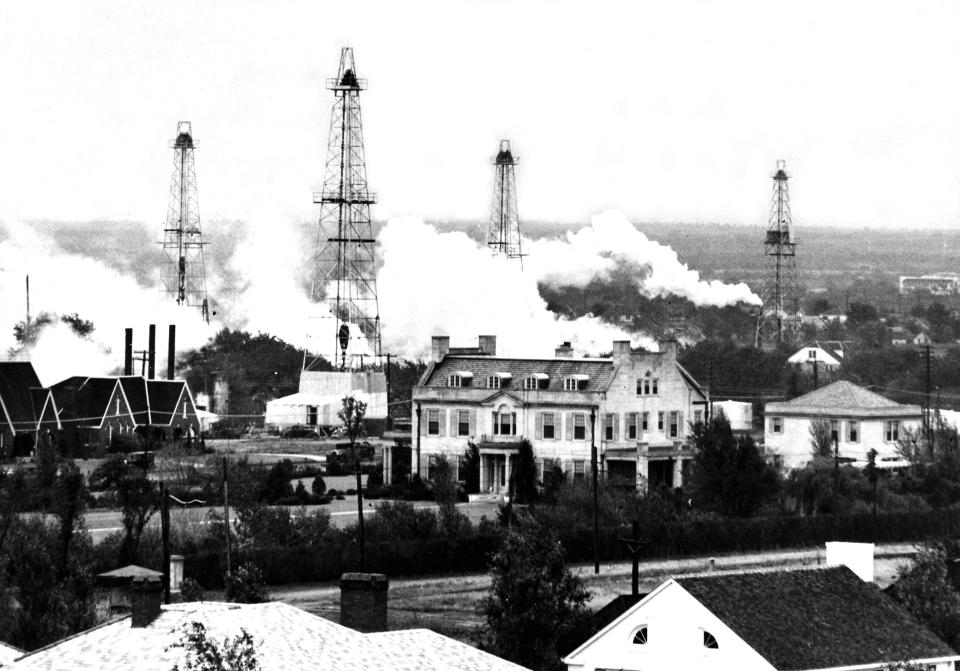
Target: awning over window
[[540, 376], [463, 373], [580, 377], [504, 376]]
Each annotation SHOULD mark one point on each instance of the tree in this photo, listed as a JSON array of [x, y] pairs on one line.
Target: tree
[[533, 600], [525, 474], [351, 413], [470, 468], [729, 474], [137, 495], [245, 585], [444, 482], [277, 485], [924, 589], [202, 653], [821, 440]]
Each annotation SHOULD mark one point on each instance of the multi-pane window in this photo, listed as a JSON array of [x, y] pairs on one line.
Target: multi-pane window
[[454, 381], [608, 427], [674, 424], [569, 384], [853, 432], [549, 426], [891, 431], [660, 421], [578, 469], [433, 422], [648, 386], [504, 423], [579, 426], [463, 422], [493, 381], [530, 382], [697, 416], [631, 425], [645, 422], [776, 425], [834, 430]]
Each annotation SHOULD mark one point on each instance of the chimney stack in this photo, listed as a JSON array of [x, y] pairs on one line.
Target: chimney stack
[[564, 350], [128, 351], [146, 593], [440, 345], [363, 601], [668, 348], [488, 344], [171, 350], [152, 352], [621, 352]]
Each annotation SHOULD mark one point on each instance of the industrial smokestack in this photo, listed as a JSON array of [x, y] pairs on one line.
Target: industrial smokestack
[[152, 352], [128, 351], [171, 350]]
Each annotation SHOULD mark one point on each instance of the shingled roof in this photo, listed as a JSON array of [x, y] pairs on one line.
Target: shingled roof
[[600, 371], [286, 638], [815, 618], [135, 389], [17, 380], [843, 398], [84, 398], [164, 397]]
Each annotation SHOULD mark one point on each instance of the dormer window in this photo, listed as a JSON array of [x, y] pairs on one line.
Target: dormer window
[[709, 641], [575, 382], [640, 636], [498, 380], [460, 378], [536, 381]]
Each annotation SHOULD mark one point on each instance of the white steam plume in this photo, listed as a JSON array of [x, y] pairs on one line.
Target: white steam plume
[[435, 283], [612, 242], [64, 283]]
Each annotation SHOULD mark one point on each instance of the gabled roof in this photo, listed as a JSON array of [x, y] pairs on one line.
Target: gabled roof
[[843, 398], [84, 399], [165, 397], [286, 638], [815, 618], [17, 380], [135, 389]]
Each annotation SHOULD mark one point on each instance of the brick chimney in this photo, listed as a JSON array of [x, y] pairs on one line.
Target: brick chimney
[[621, 352], [440, 345], [488, 344], [363, 601], [146, 593], [564, 350], [668, 348]]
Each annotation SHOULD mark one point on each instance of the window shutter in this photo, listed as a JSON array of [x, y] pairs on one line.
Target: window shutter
[[616, 427], [569, 435], [680, 431], [473, 422], [443, 421], [539, 433], [588, 434], [494, 429]]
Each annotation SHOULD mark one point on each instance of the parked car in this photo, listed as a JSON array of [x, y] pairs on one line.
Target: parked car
[[299, 431]]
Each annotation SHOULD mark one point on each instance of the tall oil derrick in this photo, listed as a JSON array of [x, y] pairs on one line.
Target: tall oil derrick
[[344, 275], [779, 321], [183, 276], [504, 232]]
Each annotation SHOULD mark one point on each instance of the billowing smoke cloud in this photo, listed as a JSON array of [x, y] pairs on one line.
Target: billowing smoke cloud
[[612, 242], [435, 283], [64, 283]]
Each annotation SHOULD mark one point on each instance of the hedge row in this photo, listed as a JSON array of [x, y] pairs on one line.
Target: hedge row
[[669, 540]]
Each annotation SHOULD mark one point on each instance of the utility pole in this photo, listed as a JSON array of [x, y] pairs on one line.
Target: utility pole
[[634, 546], [926, 415], [165, 539], [226, 511], [419, 411], [389, 418], [596, 507]]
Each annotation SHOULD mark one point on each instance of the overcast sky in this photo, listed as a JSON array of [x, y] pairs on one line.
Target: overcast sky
[[668, 111]]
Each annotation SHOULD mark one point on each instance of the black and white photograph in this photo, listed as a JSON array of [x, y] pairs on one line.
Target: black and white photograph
[[480, 335]]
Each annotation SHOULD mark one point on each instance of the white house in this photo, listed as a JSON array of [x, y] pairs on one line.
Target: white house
[[634, 407], [860, 420], [826, 354], [321, 394], [738, 413], [813, 618]]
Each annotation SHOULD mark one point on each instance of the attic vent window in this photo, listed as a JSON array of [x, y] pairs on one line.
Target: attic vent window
[[709, 641], [640, 638]]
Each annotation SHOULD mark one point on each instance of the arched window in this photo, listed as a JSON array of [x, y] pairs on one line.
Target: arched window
[[709, 641], [640, 636]]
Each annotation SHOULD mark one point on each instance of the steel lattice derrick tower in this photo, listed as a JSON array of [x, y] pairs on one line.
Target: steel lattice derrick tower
[[344, 275], [183, 276], [504, 232], [779, 320]]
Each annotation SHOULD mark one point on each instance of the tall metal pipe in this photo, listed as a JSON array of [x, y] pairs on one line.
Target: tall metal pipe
[[171, 350], [152, 352], [128, 351]]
